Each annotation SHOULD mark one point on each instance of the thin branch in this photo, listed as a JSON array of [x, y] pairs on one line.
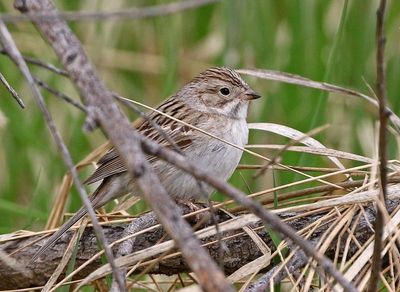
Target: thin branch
[[39, 63], [11, 91], [239, 197], [126, 140], [130, 13], [383, 117], [13, 52], [60, 95]]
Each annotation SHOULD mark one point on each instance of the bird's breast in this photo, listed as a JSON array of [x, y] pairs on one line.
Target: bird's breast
[[217, 156]]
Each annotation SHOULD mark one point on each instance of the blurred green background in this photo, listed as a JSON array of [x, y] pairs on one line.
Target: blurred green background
[[150, 59]]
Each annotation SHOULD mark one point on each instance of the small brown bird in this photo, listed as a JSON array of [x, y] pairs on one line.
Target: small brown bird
[[215, 101]]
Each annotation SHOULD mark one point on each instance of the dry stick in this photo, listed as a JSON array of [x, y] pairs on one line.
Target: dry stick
[[12, 91], [102, 109], [239, 197], [13, 52], [383, 116], [39, 63], [60, 95], [130, 13]]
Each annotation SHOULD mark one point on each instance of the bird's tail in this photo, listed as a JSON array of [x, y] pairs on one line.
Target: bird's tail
[[52, 239], [97, 201]]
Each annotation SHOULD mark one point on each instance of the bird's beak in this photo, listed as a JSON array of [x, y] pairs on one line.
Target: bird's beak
[[250, 95]]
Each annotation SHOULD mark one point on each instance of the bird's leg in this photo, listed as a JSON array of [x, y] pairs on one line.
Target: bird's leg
[[199, 218]]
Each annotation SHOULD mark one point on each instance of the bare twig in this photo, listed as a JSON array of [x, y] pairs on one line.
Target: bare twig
[[15, 55], [12, 91], [125, 139], [39, 63], [239, 197], [383, 117], [60, 95], [131, 13]]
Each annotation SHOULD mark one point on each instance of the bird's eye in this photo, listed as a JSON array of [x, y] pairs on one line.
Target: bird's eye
[[224, 91]]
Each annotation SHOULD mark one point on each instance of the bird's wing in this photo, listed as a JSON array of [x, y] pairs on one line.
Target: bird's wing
[[168, 130]]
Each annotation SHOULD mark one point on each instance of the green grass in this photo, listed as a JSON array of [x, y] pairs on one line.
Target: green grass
[[149, 59]]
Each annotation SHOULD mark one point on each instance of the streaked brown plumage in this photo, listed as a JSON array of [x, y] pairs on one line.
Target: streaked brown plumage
[[215, 101]]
